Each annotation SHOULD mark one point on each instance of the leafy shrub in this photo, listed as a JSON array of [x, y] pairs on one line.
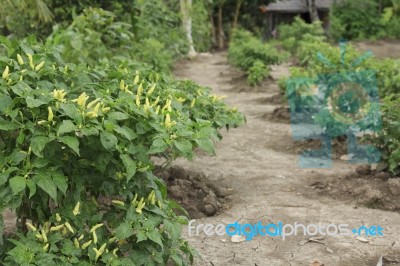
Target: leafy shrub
[[291, 35], [245, 49], [388, 138], [354, 19], [77, 141], [257, 73], [92, 36]]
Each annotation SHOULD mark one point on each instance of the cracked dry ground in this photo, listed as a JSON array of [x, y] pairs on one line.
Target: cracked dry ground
[[266, 184]]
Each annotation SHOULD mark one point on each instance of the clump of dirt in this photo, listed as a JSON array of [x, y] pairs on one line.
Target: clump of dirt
[[280, 114], [368, 187], [339, 146], [275, 99], [197, 196]]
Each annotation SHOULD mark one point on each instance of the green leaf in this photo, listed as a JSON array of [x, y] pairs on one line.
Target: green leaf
[[130, 166], [118, 116], [60, 181], [154, 236], [44, 181], [38, 143], [184, 146], [159, 145], [32, 187], [108, 140], [71, 142], [206, 144], [17, 184], [32, 103], [66, 127], [141, 236], [8, 125], [124, 231], [5, 101]]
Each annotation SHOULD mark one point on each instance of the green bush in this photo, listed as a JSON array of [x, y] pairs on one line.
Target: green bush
[[388, 139], [257, 73], [92, 36], [76, 143], [291, 35], [245, 50], [354, 19]]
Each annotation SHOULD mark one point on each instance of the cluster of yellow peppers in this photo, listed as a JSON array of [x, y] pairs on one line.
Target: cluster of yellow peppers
[[65, 228], [151, 200], [6, 72]]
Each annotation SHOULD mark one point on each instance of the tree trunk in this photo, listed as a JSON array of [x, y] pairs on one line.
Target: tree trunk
[[237, 13], [312, 8], [186, 6], [220, 28], [213, 30]]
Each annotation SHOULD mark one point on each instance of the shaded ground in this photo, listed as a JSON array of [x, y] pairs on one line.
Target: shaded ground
[[255, 163]]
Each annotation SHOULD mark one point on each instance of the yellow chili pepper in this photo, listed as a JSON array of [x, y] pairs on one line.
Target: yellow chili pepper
[[105, 109], [69, 227], [156, 101], [94, 228], [118, 202], [85, 245], [94, 237], [44, 236], [151, 90], [20, 60], [92, 103], [114, 252], [136, 80], [81, 237], [137, 100], [140, 206], [46, 248], [31, 64], [50, 116], [102, 248], [38, 67], [122, 85], [56, 228], [193, 103], [140, 89], [58, 217], [6, 73], [31, 227], [113, 239], [76, 243], [76, 210]]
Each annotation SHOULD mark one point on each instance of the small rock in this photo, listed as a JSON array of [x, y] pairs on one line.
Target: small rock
[[363, 169], [329, 250], [223, 240], [209, 209], [362, 239], [237, 238], [394, 186]]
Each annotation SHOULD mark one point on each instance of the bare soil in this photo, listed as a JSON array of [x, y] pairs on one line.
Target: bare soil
[[258, 163]]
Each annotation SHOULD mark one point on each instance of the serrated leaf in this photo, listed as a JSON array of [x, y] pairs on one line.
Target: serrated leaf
[[108, 140], [71, 142], [124, 231], [66, 127], [17, 184]]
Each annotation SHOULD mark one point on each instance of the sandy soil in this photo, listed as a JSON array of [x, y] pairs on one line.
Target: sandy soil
[[256, 163]]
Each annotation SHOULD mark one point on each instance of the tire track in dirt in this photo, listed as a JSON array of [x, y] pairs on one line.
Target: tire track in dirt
[[268, 185]]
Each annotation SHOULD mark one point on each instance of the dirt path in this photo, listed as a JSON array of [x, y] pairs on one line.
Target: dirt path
[[255, 161]]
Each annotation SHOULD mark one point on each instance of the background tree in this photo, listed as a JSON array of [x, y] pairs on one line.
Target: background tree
[[186, 10]]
